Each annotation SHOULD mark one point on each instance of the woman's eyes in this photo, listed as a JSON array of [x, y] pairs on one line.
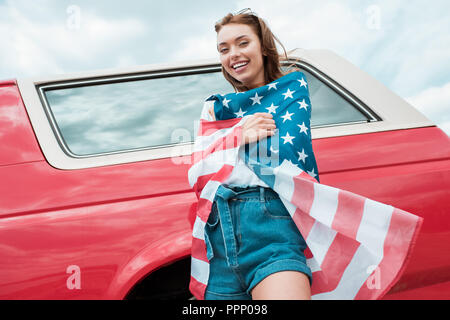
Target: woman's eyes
[[242, 43]]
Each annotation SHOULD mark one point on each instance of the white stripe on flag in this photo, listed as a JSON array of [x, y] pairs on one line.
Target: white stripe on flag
[[319, 240], [209, 191], [374, 226], [312, 264], [212, 163], [198, 230], [200, 270], [203, 142], [325, 204], [284, 179]]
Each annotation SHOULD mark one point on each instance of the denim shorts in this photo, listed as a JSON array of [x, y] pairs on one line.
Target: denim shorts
[[249, 235]]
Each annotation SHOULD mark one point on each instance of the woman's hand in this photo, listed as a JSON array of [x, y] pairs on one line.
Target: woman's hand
[[260, 125], [211, 113]]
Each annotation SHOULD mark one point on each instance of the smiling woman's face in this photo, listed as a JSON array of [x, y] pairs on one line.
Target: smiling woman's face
[[241, 55]]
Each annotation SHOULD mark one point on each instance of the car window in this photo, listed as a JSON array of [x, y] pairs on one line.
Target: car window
[[134, 114]]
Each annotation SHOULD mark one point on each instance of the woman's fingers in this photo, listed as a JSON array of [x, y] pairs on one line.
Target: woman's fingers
[[259, 126], [263, 114], [211, 113], [262, 118]]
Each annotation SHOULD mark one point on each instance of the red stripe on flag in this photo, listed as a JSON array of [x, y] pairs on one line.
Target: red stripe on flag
[[304, 222], [208, 128], [348, 214], [338, 257], [308, 254], [400, 240], [220, 176], [198, 249], [302, 198], [201, 183], [204, 205], [303, 195], [306, 176], [203, 209], [319, 278], [197, 289], [230, 141]]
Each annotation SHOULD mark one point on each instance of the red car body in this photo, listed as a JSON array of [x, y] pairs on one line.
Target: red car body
[[126, 226]]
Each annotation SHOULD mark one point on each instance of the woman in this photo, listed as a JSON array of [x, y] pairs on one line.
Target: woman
[[246, 238], [252, 261]]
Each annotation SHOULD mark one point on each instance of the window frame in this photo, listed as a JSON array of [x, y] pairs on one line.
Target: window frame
[[351, 99]]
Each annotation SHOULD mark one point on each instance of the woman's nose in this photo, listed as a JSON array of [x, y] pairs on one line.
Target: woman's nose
[[234, 52]]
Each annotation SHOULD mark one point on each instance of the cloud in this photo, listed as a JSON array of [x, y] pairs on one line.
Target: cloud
[[52, 43], [196, 48], [435, 104]]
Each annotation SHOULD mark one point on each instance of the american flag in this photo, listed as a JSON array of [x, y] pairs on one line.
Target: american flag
[[357, 247]]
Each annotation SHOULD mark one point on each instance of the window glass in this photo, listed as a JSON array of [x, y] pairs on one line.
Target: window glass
[[133, 114]]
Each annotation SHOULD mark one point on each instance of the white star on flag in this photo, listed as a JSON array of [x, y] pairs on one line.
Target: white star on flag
[[302, 155], [287, 116], [288, 93], [240, 113], [302, 82], [272, 108], [303, 128], [311, 173], [288, 138], [225, 102], [303, 104], [256, 99], [272, 85]]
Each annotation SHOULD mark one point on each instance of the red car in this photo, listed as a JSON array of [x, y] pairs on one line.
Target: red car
[[95, 200]]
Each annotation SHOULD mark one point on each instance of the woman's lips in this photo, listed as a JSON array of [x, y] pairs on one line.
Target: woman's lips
[[241, 69]]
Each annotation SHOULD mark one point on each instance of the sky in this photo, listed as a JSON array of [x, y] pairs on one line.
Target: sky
[[403, 44]]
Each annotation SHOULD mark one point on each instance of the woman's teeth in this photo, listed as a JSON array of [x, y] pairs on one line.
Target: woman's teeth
[[239, 65]]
